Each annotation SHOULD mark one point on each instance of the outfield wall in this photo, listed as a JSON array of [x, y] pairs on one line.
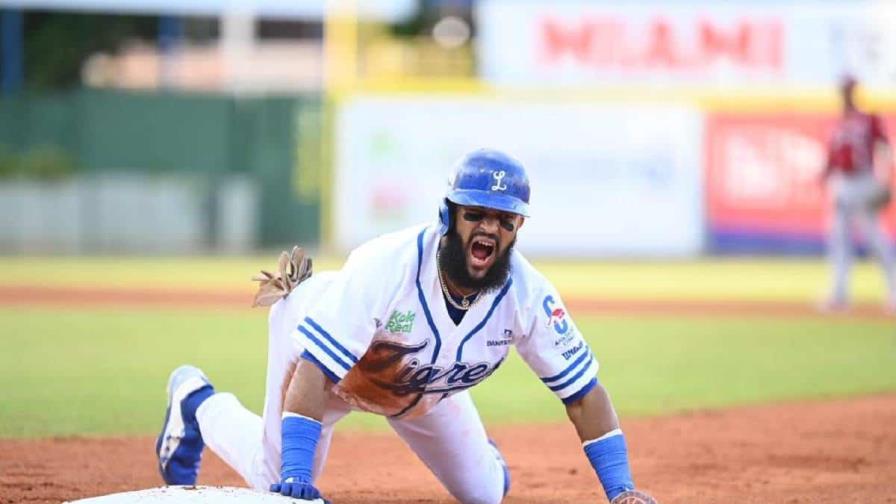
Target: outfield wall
[[762, 182], [615, 172], [611, 177], [191, 146], [607, 179]]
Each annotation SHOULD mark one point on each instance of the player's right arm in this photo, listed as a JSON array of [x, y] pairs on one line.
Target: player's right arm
[[303, 411], [307, 391], [335, 333]]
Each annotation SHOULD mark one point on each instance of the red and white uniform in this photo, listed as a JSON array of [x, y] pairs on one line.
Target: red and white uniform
[[851, 151]]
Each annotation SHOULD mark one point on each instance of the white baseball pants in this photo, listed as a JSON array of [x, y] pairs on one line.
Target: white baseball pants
[[450, 440], [851, 206]]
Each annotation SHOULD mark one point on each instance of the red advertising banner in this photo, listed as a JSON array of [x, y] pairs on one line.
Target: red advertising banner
[[762, 181]]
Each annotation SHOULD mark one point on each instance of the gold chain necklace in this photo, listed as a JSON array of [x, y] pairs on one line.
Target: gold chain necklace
[[465, 304]]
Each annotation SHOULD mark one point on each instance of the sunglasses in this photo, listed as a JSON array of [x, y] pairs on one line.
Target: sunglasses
[[507, 221]]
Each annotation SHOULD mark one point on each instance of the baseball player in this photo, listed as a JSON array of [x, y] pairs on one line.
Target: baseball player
[[858, 146], [412, 321]]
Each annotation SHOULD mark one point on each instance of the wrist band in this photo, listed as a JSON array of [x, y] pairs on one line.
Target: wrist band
[[299, 437], [609, 458]]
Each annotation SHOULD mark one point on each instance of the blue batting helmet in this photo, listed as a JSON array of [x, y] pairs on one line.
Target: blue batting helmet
[[490, 179]]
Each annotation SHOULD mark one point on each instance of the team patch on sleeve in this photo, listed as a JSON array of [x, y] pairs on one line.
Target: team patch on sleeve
[[555, 349], [556, 314], [332, 357]]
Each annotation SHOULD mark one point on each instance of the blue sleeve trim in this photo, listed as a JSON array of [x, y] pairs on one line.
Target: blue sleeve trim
[[569, 369], [325, 348], [572, 380], [581, 393], [331, 339], [312, 359]]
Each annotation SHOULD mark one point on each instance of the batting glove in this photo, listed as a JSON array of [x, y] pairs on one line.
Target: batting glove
[[300, 436], [290, 487], [633, 497]]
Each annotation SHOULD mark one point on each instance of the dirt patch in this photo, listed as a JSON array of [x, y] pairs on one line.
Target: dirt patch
[[840, 451], [104, 297]]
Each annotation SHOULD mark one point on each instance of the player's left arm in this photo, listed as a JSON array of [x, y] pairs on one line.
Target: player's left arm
[[557, 352], [596, 423]]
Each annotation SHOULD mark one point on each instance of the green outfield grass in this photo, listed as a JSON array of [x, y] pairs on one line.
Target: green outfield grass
[[731, 279], [68, 372]]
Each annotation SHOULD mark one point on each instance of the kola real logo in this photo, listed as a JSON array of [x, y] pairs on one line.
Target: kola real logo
[[400, 322]]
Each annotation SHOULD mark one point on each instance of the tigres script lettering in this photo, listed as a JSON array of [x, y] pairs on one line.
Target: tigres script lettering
[[418, 378]]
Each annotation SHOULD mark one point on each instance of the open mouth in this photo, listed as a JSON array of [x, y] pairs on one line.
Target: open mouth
[[482, 250]]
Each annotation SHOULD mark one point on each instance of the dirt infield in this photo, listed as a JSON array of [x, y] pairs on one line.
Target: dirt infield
[[841, 451], [185, 298]]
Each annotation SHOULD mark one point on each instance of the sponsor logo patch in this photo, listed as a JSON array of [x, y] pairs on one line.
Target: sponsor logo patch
[[574, 350], [556, 315], [401, 322], [564, 340]]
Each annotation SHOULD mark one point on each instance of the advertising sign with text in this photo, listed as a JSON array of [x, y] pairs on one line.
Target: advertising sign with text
[[762, 182], [606, 179], [698, 43]]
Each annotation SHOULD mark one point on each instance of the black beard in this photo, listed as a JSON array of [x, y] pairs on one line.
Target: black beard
[[453, 263]]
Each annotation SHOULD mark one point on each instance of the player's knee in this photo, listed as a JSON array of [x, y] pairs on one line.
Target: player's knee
[[484, 492]]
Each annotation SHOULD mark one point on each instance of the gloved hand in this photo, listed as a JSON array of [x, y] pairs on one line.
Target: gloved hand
[[633, 497], [880, 198], [300, 436], [293, 268], [298, 489]]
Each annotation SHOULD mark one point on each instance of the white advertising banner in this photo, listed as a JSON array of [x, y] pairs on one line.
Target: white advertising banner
[[580, 42], [609, 180]]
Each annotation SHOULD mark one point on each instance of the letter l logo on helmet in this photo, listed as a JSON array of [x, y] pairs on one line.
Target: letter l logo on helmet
[[498, 175]]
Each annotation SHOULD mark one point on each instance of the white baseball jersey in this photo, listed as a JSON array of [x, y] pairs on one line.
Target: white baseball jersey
[[382, 333]]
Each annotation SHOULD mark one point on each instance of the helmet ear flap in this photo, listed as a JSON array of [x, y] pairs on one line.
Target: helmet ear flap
[[444, 217]]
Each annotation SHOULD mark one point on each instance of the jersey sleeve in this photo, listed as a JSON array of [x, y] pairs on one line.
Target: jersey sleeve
[[338, 328], [555, 350]]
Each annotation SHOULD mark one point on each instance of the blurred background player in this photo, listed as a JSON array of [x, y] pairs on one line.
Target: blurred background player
[[859, 173]]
